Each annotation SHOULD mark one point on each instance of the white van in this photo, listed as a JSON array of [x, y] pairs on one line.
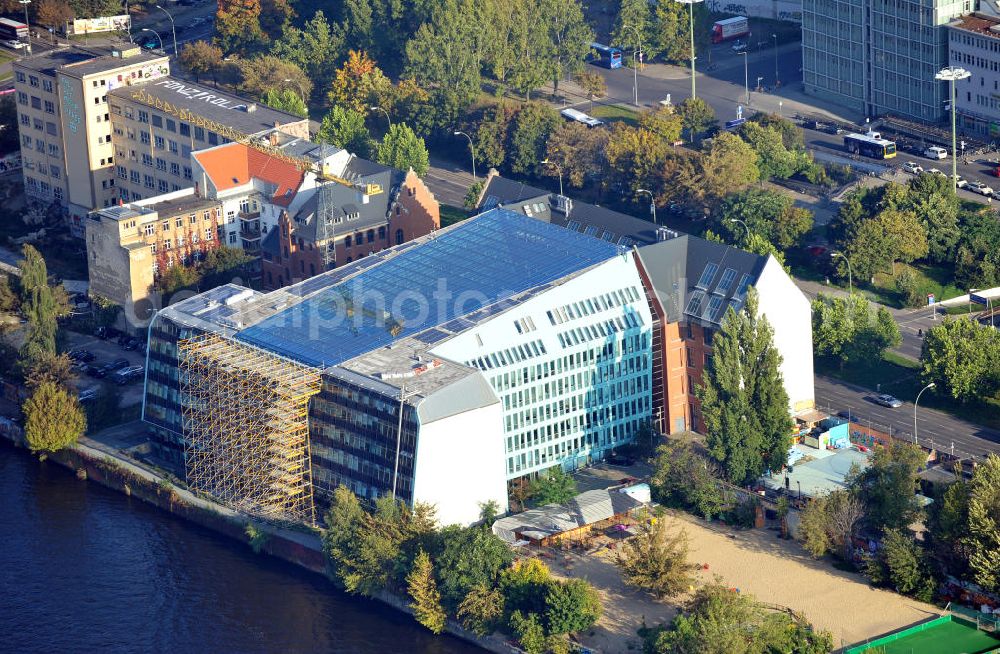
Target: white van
[[580, 117], [935, 152]]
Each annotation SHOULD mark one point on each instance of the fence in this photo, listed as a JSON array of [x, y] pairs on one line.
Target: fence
[[867, 432]]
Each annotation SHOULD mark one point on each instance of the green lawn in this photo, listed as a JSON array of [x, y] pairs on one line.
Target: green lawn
[[451, 215], [611, 113], [947, 638]]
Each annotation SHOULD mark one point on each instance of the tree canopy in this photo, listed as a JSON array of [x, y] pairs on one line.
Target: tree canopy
[[851, 330], [743, 399], [402, 149], [962, 358], [52, 418]]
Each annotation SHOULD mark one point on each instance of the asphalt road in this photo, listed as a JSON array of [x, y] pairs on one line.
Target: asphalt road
[[936, 429], [449, 182]]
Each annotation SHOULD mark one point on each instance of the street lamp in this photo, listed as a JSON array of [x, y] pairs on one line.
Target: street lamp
[[298, 84], [781, 103], [472, 148], [635, 66], [953, 74], [387, 119], [652, 202], [146, 29], [546, 162], [746, 74], [173, 30], [777, 82], [930, 385], [26, 23], [691, 3], [760, 78], [745, 226], [850, 276]]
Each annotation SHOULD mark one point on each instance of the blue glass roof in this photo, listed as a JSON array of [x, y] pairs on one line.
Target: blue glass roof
[[482, 261]]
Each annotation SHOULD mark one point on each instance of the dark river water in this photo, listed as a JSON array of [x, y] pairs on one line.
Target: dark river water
[[85, 569]]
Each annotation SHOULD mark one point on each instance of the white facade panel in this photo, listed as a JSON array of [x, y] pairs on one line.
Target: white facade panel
[[572, 367], [789, 312], [459, 464]]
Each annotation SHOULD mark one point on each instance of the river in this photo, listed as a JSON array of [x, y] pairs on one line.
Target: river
[[86, 569]]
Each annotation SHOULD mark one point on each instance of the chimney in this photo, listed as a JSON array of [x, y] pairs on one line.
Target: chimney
[[564, 205], [273, 138], [197, 192]]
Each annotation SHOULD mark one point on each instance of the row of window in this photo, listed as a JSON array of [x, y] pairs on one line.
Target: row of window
[[33, 81], [509, 356], [601, 330], [594, 440], [574, 382], [39, 145], [40, 125], [593, 305], [156, 120], [36, 102], [43, 189]]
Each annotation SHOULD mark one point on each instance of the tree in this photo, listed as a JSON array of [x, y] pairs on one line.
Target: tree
[[664, 122], [728, 165], [314, 48], [53, 13], [9, 300], [933, 201], [275, 16], [423, 589], [470, 557], [402, 149], [262, 74], [237, 26], [554, 487], [656, 560], [977, 256], [983, 541], [684, 478], [493, 136], [359, 83], [578, 150], [592, 84], [529, 631], [847, 329], [719, 621], [887, 487], [829, 522], [743, 398], [948, 526], [346, 129], [962, 358], [444, 56], [631, 23], [697, 116], [286, 100], [890, 236], [569, 34], [671, 36], [571, 606], [532, 126], [529, 51], [481, 610], [40, 308], [768, 213], [525, 585], [52, 419], [774, 159], [201, 58], [50, 369], [902, 564], [635, 155]]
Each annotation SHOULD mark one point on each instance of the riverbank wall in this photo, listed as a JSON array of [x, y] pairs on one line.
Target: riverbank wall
[[302, 547]]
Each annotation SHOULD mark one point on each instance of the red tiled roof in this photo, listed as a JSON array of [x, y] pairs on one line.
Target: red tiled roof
[[977, 23], [235, 164]]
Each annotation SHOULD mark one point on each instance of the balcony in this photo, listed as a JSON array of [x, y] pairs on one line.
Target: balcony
[[249, 215], [250, 233]]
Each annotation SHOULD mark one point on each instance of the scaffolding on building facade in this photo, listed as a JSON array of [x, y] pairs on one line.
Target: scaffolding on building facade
[[246, 435]]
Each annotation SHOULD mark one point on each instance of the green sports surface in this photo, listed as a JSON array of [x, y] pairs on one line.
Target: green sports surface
[[946, 638]]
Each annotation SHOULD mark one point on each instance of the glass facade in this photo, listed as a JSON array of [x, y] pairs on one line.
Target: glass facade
[[161, 406], [353, 440]]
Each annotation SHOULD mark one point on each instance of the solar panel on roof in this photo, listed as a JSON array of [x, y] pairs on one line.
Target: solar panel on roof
[[490, 202], [574, 225], [694, 304], [608, 236], [707, 276], [625, 242], [726, 282], [431, 336], [496, 256], [590, 231]]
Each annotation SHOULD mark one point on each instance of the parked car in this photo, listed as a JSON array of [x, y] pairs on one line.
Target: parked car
[[912, 167], [14, 43], [127, 374], [117, 364], [887, 401], [739, 46], [961, 182], [87, 394], [980, 188], [816, 250], [935, 171], [83, 356], [935, 152], [94, 370], [131, 344]]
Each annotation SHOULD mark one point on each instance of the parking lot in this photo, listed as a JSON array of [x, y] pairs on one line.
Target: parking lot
[[105, 352]]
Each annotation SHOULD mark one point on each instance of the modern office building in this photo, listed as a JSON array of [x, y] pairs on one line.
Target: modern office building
[[444, 369], [690, 283], [879, 57], [65, 121], [974, 44], [129, 245]]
